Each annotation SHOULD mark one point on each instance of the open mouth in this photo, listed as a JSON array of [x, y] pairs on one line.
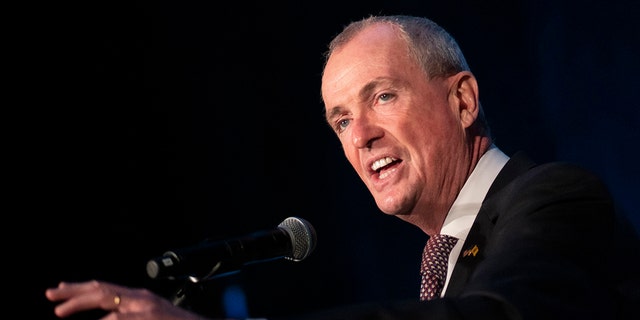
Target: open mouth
[[382, 166]]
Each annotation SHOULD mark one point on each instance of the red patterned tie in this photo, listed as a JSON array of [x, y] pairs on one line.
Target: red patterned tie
[[435, 259]]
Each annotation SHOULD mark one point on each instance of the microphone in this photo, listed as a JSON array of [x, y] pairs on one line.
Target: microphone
[[294, 239]]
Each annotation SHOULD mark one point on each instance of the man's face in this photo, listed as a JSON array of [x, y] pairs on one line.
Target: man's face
[[400, 131]]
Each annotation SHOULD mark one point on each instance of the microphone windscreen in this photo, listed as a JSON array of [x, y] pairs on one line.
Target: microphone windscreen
[[303, 237]]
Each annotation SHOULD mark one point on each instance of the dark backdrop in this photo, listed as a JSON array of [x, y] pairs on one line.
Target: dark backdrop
[[143, 126]]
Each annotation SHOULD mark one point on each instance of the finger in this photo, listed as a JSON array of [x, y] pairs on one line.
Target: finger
[[64, 291], [86, 296]]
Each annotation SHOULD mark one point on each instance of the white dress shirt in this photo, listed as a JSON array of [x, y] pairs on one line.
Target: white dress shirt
[[464, 210]]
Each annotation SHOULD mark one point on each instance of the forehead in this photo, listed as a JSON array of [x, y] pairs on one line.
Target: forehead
[[376, 52]]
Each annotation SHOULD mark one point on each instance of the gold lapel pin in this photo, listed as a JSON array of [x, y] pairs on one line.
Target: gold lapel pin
[[473, 251]]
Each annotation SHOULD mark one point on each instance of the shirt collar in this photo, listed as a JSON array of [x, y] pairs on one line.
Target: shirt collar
[[466, 206]]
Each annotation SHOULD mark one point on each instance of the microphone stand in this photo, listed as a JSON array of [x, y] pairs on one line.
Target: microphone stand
[[190, 283], [180, 295]]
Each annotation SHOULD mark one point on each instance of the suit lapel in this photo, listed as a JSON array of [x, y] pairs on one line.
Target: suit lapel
[[473, 250]]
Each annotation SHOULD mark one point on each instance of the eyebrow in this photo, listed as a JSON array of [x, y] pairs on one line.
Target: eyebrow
[[363, 95]]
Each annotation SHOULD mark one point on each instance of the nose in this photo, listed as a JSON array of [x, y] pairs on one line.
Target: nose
[[364, 132]]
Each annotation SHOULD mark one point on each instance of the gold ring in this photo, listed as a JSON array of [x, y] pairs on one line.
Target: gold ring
[[117, 300]]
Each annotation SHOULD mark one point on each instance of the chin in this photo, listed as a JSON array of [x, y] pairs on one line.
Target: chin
[[391, 208]]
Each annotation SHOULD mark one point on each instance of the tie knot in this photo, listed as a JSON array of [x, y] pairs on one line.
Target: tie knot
[[436, 251], [441, 242]]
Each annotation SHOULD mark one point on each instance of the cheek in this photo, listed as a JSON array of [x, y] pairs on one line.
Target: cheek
[[351, 155]]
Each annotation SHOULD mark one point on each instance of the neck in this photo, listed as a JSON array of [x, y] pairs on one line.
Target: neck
[[432, 222]]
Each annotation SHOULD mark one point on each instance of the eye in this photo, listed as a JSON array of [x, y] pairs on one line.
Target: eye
[[385, 97], [342, 124]]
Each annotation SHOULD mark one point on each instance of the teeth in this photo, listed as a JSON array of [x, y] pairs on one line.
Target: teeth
[[381, 163]]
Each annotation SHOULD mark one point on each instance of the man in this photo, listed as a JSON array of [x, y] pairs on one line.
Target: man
[[528, 241]]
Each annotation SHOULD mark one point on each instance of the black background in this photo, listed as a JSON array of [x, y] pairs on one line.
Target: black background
[[140, 126]]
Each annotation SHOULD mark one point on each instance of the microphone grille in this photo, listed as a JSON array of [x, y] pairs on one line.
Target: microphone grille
[[303, 237]]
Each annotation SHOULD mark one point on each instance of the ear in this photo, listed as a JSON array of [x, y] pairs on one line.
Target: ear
[[464, 96]]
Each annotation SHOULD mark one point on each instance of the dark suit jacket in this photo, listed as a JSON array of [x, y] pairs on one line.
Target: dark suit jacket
[[547, 244]]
